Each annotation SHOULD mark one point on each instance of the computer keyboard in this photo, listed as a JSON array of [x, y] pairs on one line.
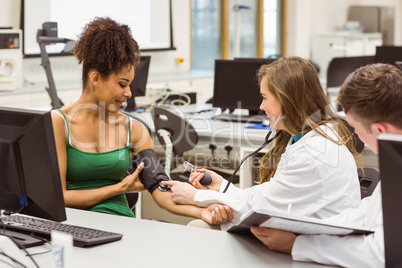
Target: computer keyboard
[[82, 236], [252, 119]]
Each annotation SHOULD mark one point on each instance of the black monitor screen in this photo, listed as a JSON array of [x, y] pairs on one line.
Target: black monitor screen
[[388, 54], [261, 60], [390, 156], [30, 179], [139, 85], [236, 84]]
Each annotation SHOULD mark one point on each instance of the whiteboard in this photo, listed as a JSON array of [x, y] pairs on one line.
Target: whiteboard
[[150, 21]]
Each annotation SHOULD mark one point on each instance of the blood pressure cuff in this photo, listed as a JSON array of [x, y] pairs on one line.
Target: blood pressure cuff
[[153, 171]]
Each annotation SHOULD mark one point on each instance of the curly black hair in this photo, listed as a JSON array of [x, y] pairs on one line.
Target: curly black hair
[[106, 46]]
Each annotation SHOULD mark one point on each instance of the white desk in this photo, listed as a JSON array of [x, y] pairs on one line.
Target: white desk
[[218, 132], [155, 244]]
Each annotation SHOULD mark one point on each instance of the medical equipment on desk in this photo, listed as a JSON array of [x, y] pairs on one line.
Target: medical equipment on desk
[[10, 59]]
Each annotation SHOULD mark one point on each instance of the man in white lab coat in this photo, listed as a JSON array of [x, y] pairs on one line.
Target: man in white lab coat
[[372, 100]]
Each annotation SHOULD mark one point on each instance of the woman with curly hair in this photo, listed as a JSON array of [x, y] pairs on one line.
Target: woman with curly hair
[[94, 139]]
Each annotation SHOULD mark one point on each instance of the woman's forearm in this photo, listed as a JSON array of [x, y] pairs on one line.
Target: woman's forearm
[[165, 201], [84, 199]]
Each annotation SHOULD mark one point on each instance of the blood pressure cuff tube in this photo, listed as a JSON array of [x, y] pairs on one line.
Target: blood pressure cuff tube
[[153, 171]]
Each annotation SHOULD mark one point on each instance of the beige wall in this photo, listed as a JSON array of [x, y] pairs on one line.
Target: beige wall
[[309, 17]]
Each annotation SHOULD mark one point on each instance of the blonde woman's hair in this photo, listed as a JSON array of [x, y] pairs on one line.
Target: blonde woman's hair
[[295, 84]]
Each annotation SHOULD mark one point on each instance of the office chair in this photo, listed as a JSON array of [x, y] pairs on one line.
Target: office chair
[[176, 135], [368, 178]]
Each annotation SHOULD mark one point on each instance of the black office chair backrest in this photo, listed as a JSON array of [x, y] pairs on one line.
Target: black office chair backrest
[[183, 135], [368, 178], [340, 68]]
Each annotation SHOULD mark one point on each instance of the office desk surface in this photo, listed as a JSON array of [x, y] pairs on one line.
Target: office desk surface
[[155, 244], [215, 131]]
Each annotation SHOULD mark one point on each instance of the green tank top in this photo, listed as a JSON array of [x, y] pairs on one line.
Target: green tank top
[[87, 171]]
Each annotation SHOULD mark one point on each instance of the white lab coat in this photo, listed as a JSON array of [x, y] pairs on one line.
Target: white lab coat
[[352, 250], [318, 177]]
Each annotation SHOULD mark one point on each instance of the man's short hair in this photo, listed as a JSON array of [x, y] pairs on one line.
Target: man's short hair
[[373, 93]]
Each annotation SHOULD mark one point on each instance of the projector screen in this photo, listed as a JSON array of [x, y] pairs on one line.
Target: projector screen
[[150, 21]]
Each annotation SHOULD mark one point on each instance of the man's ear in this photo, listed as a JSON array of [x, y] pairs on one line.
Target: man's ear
[[379, 127]]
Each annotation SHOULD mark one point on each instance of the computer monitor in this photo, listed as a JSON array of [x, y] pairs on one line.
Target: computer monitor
[[390, 156], [30, 180], [270, 60], [388, 54], [340, 67], [399, 64], [236, 85], [139, 85], [261, 60]]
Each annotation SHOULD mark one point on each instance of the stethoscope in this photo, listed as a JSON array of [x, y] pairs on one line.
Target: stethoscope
[[268, 140]]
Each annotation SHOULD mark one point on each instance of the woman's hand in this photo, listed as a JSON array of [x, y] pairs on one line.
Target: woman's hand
[[132, 183], [217, 214], [182, 192], [196, 176], [274, 239]]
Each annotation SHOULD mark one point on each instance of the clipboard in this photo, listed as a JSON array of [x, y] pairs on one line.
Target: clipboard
[[293, 223]]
